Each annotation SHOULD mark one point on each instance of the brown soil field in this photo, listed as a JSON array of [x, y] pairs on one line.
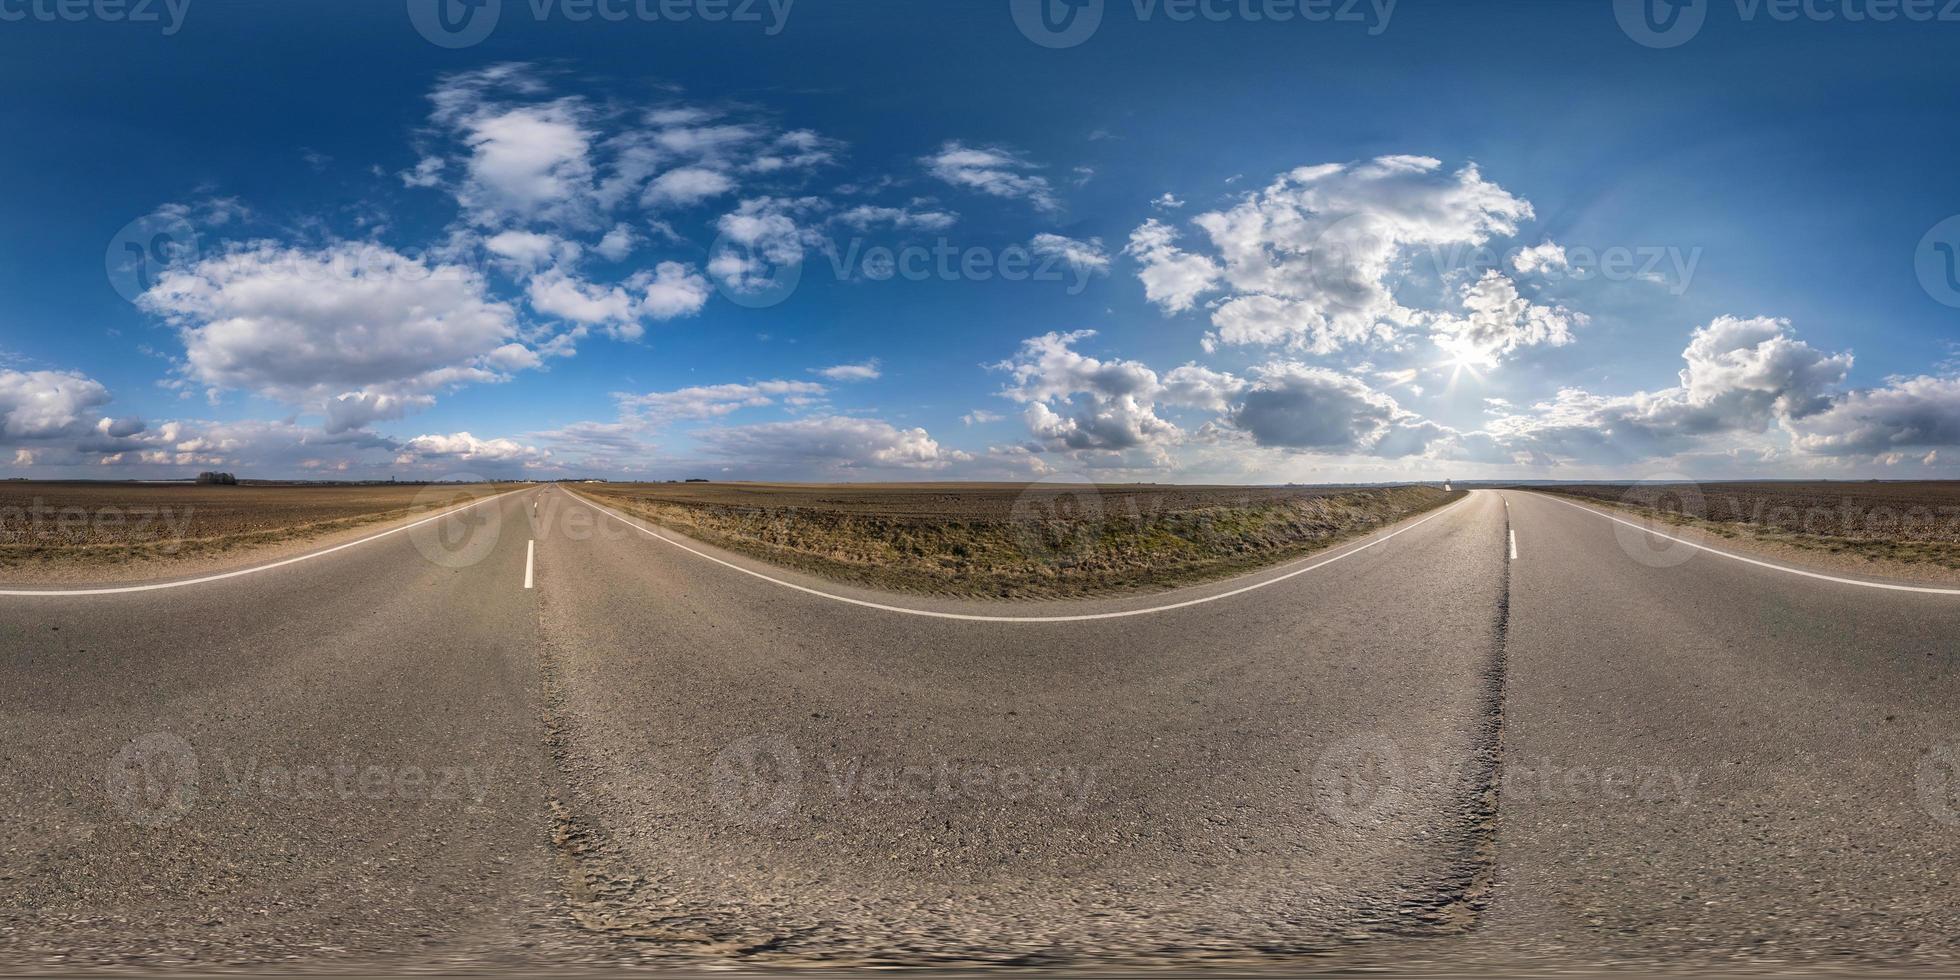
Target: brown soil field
[[1908, 525], [1018, 541], [118, 531]]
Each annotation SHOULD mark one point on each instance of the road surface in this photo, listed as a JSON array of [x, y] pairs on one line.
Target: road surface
[[1510, 732]]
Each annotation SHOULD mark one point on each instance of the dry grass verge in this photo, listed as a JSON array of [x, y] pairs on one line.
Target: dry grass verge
[[67, 532], [1013, 541], [1907, 528]]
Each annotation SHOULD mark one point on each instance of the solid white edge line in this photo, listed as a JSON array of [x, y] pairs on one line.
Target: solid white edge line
[[974, 618], [1927, 590], [155, 586], [530, 561]]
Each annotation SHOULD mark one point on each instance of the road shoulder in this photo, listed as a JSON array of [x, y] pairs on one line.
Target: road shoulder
[[1817, 557]]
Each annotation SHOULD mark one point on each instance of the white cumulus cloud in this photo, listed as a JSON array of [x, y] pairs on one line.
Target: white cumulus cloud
[[304, 326], [1082, 256], [1309, 261], [464, 447], [992, 170], [829, 444], [1498, 321], [867, 371]]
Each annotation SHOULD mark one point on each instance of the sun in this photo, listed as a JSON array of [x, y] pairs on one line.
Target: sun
[[1459, 361]]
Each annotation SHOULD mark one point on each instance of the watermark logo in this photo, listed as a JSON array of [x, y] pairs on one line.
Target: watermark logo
[[1058, 23], [944, 781], [1057, 518], [1360, 780], [464, 534], [163, 529], [1667, 494], [753, 274], [1661, 24], [140, 253], [170, 14], [466, 23], [758, 270], [346, 780], [153, 780], [1547, 780], [1671, 267], [1672, 23], [1067, 23], [455, 23], [1937, 262], [1938, 782], [756, 781], [1344, 260], [1070, 523], [945, 261]]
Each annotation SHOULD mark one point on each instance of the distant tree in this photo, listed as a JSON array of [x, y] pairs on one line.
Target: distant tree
[[220, 479]]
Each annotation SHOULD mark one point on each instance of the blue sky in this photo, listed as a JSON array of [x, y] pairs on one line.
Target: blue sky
[[1413, 240]]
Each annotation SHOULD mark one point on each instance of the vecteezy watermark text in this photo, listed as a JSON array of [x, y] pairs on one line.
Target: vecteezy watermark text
[[158, 779], [42, 523], [945, 261], [759, 780], [1671, 267], [169, 14], [754, 277], [1547, 780], [345, 780], [945, 780], [1067, 23], [1672, 23], [1367, 778], [465, 23]]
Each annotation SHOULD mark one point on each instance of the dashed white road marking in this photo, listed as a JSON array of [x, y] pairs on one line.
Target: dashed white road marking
[[1888, 586], [974, 618], [1514, 544], [530, 561], [152, 587]]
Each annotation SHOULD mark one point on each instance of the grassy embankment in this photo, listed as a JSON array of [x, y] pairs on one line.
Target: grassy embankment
[[72, 528], [1907, 524], [1006, 541]]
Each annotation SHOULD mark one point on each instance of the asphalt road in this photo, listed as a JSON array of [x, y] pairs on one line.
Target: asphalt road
[[1509, 733], [228, 772], [1784, 756]]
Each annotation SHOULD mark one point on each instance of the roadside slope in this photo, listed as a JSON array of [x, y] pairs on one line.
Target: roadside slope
[[1907, 533], [1026, 543], [124, 534]]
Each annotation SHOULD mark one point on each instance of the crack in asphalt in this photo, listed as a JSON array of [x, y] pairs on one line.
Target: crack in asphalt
[[1464, 891], [1482, 856]]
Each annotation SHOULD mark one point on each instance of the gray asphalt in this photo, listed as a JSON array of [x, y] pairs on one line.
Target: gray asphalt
[[1423, 752], [1785, 757], [295, 710]]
